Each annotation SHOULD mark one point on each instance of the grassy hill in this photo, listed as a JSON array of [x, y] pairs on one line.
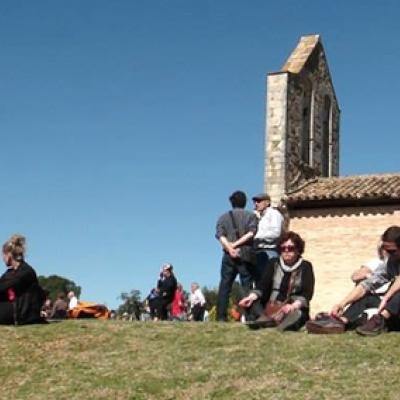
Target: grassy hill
[[134, 360]]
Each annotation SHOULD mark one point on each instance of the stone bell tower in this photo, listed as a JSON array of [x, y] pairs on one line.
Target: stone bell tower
[[302, 121]]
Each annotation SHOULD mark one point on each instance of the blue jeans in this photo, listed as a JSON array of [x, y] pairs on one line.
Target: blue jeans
[[263, 256], [230, 268]]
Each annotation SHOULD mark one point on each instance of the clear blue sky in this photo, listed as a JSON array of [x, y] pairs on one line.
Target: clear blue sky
[[125, 125]]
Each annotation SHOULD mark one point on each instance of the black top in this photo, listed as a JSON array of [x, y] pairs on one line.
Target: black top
[[167, 287], [302, 290], [29, 295]]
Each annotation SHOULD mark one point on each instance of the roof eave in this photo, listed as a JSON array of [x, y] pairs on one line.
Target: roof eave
[[330, 203]]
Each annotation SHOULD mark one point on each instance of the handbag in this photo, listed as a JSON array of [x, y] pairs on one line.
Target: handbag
[[273, 308], [247, 253]]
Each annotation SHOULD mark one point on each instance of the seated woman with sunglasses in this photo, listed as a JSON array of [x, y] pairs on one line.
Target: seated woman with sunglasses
[[282, 297]]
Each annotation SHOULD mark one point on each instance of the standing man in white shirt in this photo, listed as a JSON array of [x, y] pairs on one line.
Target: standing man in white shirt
[[73, 300], [268, 233], [197, 302]]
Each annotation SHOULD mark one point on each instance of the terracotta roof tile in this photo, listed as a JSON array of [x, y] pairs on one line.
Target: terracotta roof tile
[[348, 188]]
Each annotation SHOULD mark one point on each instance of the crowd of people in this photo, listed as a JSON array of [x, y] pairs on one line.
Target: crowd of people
[[277, 283], [60, 307], [167, 301]]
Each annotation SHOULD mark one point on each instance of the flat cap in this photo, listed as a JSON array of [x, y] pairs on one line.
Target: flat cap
[[261, 196]]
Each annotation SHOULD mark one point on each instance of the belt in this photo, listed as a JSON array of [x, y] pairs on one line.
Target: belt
[[265, 246]]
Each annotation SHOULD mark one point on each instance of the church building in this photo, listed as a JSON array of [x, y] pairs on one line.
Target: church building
[[341, 218]]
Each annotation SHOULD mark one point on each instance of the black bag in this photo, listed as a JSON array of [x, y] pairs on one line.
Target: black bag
[[247, 252]]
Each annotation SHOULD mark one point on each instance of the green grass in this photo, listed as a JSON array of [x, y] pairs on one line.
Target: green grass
[[133, 360]]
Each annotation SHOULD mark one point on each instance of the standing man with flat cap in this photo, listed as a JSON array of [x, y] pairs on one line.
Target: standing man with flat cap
[[269, 231], [235, 231]]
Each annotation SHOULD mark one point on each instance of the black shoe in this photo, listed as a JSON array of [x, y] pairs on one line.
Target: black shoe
[[373, 327], [262, 322]]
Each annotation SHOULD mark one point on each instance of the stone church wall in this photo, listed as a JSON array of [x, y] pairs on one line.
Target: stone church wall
[[310, 86], [296, 103], [276, 115], [338, 241]]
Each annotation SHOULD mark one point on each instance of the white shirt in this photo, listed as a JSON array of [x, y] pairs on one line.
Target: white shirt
[[373, 265], [270, 225], [197, 297], [73, 302]]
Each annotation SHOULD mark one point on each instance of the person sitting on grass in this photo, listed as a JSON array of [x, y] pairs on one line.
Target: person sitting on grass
[[21, 297], [366, 271], [60, 307], [282, 297], [348, 312]]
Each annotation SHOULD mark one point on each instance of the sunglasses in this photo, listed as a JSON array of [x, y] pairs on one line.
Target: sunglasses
[[390, 251], [288, 248]]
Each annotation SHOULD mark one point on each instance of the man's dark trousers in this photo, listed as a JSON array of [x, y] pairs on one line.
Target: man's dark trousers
[[230, 268]]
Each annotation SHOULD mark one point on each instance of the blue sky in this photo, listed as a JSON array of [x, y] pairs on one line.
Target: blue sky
[[126, 125]]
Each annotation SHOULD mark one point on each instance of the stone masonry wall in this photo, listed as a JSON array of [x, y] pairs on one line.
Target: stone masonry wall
[[316, 75], [338, 241], [276, 117]]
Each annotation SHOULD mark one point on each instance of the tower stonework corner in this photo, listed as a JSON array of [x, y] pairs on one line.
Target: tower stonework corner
[[302, 121]]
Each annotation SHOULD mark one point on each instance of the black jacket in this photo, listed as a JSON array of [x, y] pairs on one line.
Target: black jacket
[[29, 295], [303, 290], [167, 287]]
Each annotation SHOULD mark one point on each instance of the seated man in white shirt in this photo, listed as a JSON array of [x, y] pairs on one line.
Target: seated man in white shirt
[[366, 294], [366, 271]]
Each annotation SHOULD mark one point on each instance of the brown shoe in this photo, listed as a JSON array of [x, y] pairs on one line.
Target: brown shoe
[[325, 326], [262, 322], [373, 327]]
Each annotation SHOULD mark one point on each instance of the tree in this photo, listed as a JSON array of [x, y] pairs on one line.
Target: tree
[[131, 303], [211, 296], [55, 284]]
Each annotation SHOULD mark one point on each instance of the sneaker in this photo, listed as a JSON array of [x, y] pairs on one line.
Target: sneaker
[[325, 326], [289, 320], [262, 322], [374, 326]]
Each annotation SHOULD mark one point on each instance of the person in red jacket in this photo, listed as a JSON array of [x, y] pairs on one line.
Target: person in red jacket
[[178, 304], [21, 297]]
